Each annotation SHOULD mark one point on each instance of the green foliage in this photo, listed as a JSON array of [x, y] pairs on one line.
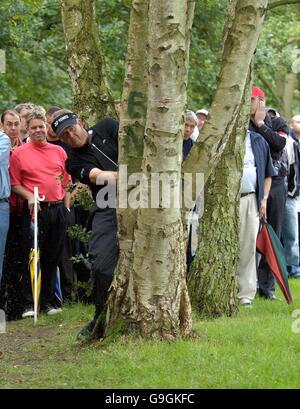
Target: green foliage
[[276, 52], [113, 25], [31, 35], [81, 258], [15, 21], [36, 68], [81, 195], [84, 290], [84, 199], [205, 52], [79, 232]]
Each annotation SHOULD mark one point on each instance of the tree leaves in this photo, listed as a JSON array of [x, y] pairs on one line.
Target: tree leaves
[[31, 34]]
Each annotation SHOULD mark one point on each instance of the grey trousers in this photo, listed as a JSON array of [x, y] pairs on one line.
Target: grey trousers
[[246, 271]]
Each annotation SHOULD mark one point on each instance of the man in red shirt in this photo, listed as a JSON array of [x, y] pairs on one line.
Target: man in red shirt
[[38, 163]]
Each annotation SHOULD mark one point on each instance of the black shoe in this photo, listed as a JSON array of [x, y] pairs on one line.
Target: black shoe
[[86, 331], [273, 298], [265, 295]]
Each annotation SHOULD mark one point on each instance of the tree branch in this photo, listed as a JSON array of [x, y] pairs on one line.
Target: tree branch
[[270, 89], [279, 3]]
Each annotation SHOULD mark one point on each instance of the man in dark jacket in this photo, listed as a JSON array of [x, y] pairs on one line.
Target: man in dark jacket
[[290, 233], [87, 164], [261, 123]]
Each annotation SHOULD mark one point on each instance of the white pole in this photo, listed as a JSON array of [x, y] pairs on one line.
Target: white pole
[[36, 195], [37, 199]]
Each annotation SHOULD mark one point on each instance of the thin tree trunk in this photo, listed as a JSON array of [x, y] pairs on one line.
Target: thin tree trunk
[[212, 280], [240, 44], [92, 97], [290, 85]]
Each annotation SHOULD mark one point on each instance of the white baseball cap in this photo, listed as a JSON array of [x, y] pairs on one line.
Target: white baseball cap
[[202, 111]]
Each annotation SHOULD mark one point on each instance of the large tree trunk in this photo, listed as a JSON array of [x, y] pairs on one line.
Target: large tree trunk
[[157, 300], [159, 251], [92, 99], [133, 114]]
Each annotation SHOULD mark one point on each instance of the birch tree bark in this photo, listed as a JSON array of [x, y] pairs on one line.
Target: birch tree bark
[[150, 289], [159, 251], [212, 280], [133, 112], [92, 97], [156, 298], [239, 47]]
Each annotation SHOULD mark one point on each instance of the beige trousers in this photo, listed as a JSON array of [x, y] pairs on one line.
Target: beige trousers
[[246, 271]]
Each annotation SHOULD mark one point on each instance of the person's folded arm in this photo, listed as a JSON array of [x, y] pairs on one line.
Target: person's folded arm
[[277, 142]]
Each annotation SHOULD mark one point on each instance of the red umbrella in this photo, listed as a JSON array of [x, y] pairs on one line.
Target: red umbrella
[[271, 248]]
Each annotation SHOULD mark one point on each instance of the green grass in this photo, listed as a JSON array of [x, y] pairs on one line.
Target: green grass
[[255, 349]]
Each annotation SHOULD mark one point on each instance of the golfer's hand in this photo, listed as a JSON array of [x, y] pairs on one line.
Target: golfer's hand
[[107, 176], [111, 176]]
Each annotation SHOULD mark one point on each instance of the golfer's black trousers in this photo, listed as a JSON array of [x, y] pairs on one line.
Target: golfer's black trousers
[[104, 252]]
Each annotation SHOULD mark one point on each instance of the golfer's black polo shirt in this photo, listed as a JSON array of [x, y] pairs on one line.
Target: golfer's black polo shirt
[[82, 160]]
